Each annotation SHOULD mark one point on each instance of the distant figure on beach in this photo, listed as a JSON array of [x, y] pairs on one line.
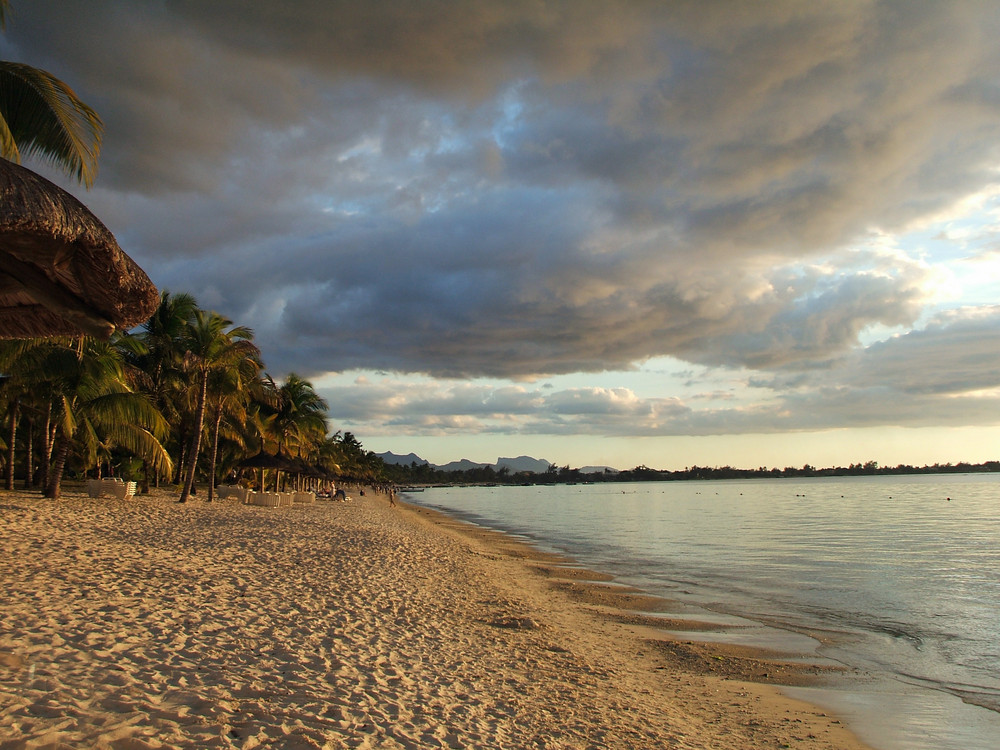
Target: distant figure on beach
[[392, 496], [340, 495]]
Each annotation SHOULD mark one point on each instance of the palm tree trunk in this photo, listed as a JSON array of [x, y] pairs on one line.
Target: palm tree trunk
[[182, 459], [215, 452], [53, 488], [49, 439], [14, 416], [29, 459], [199, 422]]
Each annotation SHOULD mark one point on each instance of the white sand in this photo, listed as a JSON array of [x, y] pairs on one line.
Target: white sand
[[148, 624]]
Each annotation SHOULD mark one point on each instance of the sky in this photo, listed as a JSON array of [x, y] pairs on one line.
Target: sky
[[594, 232]]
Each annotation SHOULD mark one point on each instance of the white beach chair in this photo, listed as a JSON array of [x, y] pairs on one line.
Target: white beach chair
[[123, 490]]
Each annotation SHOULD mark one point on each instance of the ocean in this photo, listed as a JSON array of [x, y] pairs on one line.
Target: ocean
[[896, 576]]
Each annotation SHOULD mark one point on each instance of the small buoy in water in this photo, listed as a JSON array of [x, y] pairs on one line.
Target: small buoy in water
[[948, 499]]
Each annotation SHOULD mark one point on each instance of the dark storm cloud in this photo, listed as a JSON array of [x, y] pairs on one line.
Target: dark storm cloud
[[466, 188]]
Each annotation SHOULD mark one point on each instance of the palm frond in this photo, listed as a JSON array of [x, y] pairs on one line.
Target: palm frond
[[43, 117], [116, 408], [139, 441]]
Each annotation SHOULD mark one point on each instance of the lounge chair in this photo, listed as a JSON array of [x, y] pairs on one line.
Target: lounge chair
[[123, 490]]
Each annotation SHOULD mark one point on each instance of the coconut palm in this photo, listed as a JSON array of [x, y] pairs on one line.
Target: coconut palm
[[300, 413], [327, 454], [209, 348], [25, 395], [230, 389], [355, 461], [163, 336], [94, 404], [290, 416], [41, 116], [161, 362], [14, 387]]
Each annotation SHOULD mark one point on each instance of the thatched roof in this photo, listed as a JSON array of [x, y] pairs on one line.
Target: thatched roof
[[61, 270], [264, 460]]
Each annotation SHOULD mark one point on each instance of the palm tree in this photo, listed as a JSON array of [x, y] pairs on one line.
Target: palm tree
[[300, 414], [356, 461], [24, 388], [328, 455], [41, 116], [229, 393], [210, 348], [12, 391], [291, 416], [163, 336], [94, 404], [161, 363]]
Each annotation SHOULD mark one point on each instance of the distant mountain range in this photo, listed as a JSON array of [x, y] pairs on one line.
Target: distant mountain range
[[513, 465], [410, 458]]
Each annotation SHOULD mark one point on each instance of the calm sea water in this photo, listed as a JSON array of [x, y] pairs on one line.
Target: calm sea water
[[896, 576]]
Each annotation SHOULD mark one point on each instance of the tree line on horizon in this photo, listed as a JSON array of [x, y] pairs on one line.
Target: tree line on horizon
[[417, 474], [183, 399]]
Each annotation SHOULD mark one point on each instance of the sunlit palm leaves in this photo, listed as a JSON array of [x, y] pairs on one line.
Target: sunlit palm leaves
[[41, 116], [93, 403], [189, 385], [210, 348]]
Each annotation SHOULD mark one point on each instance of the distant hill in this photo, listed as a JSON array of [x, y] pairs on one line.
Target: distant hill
[[410, 458], [523, 463], [513, 465], [463, 465]]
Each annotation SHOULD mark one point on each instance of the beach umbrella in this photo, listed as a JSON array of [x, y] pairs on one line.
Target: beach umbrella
[[302, 468], [265, 460], [61, 271]]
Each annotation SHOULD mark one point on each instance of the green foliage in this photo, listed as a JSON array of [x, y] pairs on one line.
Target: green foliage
[[186, 392], [41, 116]]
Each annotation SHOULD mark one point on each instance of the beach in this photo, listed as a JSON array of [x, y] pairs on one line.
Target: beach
[[143, 623]]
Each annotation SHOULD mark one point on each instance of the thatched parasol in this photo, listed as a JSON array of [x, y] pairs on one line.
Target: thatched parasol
[[265, 460], [61, 271]]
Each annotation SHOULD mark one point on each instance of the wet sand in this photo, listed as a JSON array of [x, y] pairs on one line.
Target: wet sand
[[147, 624]]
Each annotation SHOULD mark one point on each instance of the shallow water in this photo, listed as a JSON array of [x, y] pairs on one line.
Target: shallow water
[[897, 576]]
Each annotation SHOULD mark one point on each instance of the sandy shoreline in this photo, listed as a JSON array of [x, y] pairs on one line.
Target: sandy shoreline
[[147, 624]]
